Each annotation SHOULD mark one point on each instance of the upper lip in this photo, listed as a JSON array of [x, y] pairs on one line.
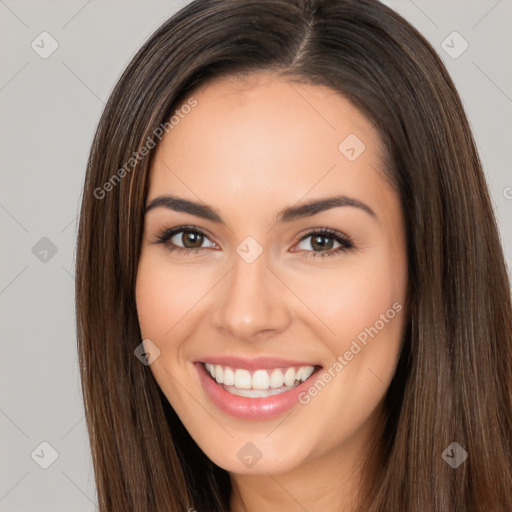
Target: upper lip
[[255, 363]]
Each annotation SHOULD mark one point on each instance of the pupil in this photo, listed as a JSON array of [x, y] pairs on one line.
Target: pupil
[[322, 242], [196, 239]]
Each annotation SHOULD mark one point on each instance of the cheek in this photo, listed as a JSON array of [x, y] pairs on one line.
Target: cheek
[[364, 306], [353, 297], [369, 332], [165, 295]]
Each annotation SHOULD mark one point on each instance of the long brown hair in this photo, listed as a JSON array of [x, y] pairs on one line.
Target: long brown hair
[[453, 380]]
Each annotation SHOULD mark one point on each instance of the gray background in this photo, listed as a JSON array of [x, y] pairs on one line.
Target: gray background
[[49, 111]]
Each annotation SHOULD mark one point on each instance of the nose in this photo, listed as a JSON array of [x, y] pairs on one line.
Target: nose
[[252, 302]]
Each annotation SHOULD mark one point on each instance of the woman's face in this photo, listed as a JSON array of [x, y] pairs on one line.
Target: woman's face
[[255, 287]]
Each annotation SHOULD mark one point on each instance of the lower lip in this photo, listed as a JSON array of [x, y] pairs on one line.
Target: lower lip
[[250, 408]]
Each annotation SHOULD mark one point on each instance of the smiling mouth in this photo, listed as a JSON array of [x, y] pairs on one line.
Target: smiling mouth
[[260, 383]]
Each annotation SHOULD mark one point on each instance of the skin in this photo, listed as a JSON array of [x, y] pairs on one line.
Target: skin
[[249, 149]]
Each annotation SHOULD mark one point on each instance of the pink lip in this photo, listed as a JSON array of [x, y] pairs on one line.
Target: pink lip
[[251, 408], [255, 363]]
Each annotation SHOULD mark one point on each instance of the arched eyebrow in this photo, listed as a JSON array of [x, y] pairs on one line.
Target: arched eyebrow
[[289, 214], [316, 206]]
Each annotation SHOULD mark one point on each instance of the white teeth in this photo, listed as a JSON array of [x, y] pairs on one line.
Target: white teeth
[[260, 379], [242, 379], [263, 382], [289, 377], [307, 372], [276, 379], [229, 376], [256, 393], [219, 374]]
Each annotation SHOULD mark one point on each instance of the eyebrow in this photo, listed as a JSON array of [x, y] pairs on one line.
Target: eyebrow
[[289, 214]]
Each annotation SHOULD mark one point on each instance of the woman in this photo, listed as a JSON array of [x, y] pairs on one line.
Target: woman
[[227, 364]]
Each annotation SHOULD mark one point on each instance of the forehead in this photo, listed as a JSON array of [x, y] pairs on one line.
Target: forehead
[[266, 136]]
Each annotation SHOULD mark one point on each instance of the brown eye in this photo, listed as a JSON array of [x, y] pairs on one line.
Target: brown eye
[[324, 242], [185, 239], [321, 242], [191, 239]]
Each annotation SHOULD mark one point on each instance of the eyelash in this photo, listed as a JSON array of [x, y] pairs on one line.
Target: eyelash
[[344, 241]]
